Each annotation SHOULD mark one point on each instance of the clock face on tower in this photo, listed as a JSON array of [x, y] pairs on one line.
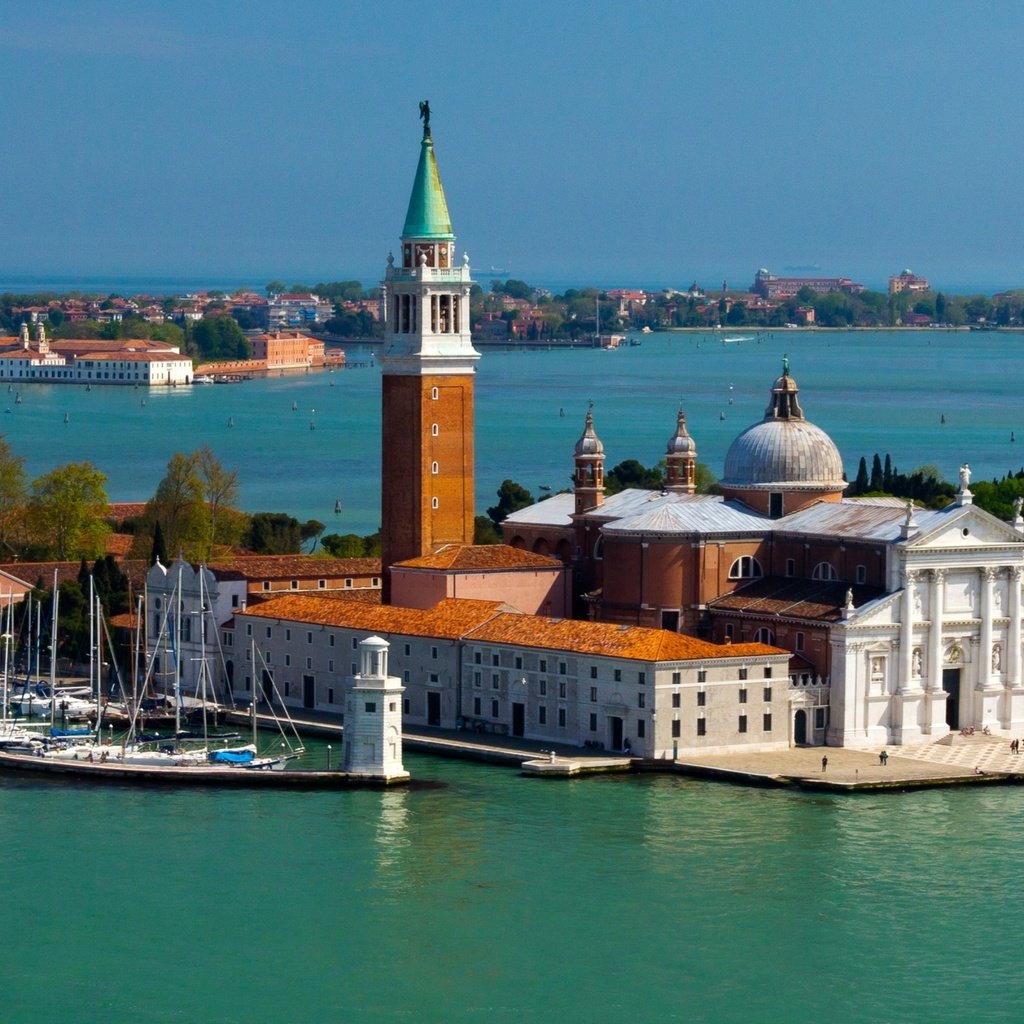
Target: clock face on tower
[[425, 249]]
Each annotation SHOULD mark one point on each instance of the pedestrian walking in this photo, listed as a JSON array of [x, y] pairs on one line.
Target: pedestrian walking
[[824, 763], [883, 758]]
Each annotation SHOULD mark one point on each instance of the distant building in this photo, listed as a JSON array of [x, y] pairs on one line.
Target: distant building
[[908, 281], [283, 350], [773, 288], [294, 309]]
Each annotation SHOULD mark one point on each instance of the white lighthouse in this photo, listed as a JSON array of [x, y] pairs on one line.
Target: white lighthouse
[[373, 717]]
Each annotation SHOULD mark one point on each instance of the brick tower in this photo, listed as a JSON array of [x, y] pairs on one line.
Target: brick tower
[[428, 365]]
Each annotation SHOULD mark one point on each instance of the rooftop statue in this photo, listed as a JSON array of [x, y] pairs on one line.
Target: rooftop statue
[[425, 115]]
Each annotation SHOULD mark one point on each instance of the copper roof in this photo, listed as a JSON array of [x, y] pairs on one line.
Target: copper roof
[[480, 557]]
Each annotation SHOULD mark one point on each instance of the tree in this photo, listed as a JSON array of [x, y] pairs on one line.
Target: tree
[[511, 497], [887, 474], [484, 531], [861, 484], [220, 337], [13, 492], [68, 507], [178, 506], [159, 552], [274, 533], [632, 473], [218, 488], [877, 476], [940, 308], [311, 530], [274, 288]]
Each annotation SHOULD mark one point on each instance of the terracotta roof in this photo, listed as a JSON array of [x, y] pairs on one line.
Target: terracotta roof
[[287, 567], [118, 544], [797, 598], [448, 619], [480, 557], [603, 639], [119, 511]]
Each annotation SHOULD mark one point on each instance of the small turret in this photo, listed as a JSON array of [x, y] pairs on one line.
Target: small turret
[[588, 457], [25, 343], [681, 459]]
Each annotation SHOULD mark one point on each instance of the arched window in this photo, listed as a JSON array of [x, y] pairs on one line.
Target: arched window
[[746, 568], [824, 571], [433, 468], [764, 636]]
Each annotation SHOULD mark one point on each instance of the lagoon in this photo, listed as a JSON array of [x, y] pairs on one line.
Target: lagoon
[[872, 392]]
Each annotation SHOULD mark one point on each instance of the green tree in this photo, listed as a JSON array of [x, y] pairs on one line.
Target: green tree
[[275, 288], [218, 488], [13, 494], [511, 497], [178, 506], [877, 475], [484, 531], [861, 484], [68, 509], [220, 337], [632, 473], [274, 533], [159, 551]]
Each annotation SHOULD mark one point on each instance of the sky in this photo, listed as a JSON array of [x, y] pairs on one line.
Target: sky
[[648, 144]]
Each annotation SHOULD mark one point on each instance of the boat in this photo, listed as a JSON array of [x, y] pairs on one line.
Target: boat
[[737, 340], [202, 378]]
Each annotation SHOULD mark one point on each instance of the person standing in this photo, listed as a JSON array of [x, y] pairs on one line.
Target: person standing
[[824, 763]]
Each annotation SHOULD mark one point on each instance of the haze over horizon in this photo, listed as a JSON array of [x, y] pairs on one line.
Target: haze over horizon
[[583, 143]]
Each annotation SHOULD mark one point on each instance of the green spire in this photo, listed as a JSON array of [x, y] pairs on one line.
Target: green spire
[[428, 210]]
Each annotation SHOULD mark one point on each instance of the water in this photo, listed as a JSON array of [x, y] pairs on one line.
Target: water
[[501, 898], [883, 392]]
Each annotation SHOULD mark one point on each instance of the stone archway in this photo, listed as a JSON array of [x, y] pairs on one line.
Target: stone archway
[[800, 727]]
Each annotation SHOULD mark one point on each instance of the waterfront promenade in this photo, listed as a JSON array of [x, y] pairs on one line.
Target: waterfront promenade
[[953, 760]]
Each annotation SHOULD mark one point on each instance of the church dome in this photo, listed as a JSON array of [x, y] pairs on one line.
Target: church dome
[[784, 452], [589, 443]]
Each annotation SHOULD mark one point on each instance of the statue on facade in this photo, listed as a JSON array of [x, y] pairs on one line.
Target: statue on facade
[[965, 476], [915, 663], [997, 658], [1018, 504], [785, 366], [425, 116]]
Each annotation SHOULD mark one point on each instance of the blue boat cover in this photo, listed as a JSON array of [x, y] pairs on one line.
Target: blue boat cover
[[230, 756]]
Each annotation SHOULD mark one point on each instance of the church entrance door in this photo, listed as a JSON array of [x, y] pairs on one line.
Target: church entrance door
[[800, 727], [433, 707], [518, 719], [615, 729], [951, 684]]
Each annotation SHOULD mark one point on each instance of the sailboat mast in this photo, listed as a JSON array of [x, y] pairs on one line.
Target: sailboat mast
[[53, 641], [177, 659]]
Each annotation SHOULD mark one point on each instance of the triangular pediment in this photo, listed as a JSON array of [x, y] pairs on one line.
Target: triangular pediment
[[966, 528]]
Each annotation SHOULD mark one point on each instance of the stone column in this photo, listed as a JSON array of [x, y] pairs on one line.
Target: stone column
[[1012, 653], [985, 682], [907, 682], [935, 605]]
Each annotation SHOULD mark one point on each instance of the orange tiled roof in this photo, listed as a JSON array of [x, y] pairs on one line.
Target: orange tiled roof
[[119, 511], [609, 640], [134, 568], [469, 557], [448, 619], [288, 567]]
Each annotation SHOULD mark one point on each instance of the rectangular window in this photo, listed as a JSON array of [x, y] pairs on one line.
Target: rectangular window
[[248, 629], [405, 705], [790, 567], [702, 675], [434, 677], [355, 643], [702, 727], [477, 680], [542, 665], [309, 663], [676, 728], [767, 695], [478, 658], [407, 650], [330, 665], [767, 722], [677, 700], [287, 660], [743, 673], [495, 681], [519, 661], [743, 723], [561, 668], [270, 632], [641, 699], [702, 698], [494, 660], [819, 718], [641, 678], [593, 722], [542, 714], [433, 653], [767, 671], [542, 687], [561, 718], [677, 678], [287, 634], [798, 642], [743, 696], [617, 675], [405, 676], [862, 574], [641, 728], [561, 690], [728, 631], [330, 640], [593, 695], [476, 705], [494, 709], [593, 671], [309, 638], [330, 694]]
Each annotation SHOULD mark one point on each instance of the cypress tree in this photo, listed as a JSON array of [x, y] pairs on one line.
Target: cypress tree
[[159, 551], [877, 478], [887, 474], [860, 485]]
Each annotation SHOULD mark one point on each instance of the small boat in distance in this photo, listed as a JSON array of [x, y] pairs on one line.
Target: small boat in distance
[[202, 378]]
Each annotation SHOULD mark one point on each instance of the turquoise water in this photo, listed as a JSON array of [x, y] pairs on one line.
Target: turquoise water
[[499, 898], [872, 392]]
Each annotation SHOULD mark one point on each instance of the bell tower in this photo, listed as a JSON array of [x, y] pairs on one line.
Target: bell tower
[[681, 459], [588, 472], [428, 365]]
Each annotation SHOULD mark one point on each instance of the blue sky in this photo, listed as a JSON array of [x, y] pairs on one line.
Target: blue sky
[[651, 143]]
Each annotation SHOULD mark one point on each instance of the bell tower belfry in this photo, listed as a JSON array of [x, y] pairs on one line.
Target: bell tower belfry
[[428, 365]]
